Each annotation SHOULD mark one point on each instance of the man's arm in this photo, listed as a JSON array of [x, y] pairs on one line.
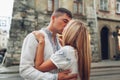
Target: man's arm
[[27, 70]]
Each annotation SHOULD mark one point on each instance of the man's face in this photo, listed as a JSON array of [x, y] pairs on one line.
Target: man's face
[[60, 23]]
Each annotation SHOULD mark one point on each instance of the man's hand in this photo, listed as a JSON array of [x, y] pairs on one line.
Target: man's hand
[[64, 75]]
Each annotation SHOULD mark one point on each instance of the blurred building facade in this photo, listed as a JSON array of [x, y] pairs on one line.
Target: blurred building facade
[[101, 16], [3, 39], [108, 23]]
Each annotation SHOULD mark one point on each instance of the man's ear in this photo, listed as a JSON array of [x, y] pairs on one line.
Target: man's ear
[[52, 18]]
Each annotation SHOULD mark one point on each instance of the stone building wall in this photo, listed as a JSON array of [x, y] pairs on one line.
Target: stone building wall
[[93, 29], [20, 27], [25, 20], [112, 42], [29, 15]]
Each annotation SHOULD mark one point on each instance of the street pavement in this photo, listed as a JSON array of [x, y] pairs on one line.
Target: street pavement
[[106, 77], [104, 70], [11, 69], [105, 64]]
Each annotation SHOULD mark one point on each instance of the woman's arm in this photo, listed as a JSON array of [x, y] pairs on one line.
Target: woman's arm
[[39, 59]]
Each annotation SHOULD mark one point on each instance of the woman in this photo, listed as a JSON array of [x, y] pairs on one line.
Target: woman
[[74, 55]]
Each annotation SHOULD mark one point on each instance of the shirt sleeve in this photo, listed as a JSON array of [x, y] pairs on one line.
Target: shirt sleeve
[[60, 59], [26, 68]]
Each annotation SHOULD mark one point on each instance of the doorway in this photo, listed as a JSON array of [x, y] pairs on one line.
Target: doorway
[[104, 43]]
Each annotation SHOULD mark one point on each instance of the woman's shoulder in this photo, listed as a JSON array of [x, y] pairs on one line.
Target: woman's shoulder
[[67, 48]]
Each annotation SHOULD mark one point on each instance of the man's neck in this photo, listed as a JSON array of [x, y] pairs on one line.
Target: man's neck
[[52, 31]]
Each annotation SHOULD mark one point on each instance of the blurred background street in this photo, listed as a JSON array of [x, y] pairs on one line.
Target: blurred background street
[[106, 70], [102, 17]]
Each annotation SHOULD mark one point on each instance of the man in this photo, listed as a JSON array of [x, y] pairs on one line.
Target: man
[[58, 21]]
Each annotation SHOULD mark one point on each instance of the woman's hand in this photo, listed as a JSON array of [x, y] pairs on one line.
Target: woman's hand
[[39, 36]]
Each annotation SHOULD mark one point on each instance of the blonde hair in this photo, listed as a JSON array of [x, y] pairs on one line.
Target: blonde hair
[[77, 36]]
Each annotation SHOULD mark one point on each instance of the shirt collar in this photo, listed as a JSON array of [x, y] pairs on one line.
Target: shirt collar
[[49, 32]]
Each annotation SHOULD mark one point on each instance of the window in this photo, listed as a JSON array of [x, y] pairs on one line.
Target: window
[[3, 23], [50, 5], [118, 6], [104, 5], [53, 4], [56, 4], [78, 7]]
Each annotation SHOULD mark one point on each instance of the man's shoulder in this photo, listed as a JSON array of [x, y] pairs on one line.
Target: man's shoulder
[[29, 35]]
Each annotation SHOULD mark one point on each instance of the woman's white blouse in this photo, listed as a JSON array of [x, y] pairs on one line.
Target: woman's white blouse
[[66, 58]]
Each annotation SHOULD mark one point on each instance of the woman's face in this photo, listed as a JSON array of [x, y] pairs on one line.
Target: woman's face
[[66, 27], [64, 30]]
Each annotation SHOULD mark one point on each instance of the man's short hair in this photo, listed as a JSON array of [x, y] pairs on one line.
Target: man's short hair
[[58, 12]]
